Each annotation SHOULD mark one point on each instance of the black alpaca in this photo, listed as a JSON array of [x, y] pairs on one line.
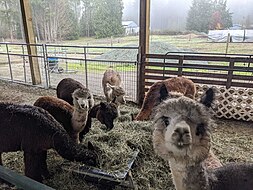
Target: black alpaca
[[34, 131]]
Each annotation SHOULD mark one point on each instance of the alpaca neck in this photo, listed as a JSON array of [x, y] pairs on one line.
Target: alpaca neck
[[188, 176], [78, 121]]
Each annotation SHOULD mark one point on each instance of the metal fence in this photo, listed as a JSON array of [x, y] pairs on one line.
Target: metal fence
[[83, 63]]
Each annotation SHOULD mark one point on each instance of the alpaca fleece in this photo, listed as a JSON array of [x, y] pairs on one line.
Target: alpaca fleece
[[33, 130], [153, 97]]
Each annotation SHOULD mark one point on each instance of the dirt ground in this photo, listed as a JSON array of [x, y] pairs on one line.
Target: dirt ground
[[232, 142]]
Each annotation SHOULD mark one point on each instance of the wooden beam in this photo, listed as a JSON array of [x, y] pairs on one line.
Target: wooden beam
[[21, 181], [144, 21], [30, 39]]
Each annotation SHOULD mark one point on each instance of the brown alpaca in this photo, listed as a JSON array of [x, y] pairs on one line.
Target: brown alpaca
[[182, 137], [112, 86], [153, 97], [33, 130], [73, 118], [67, 86]]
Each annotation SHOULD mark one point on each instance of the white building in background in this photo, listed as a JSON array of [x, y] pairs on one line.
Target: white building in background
[[131, 28]]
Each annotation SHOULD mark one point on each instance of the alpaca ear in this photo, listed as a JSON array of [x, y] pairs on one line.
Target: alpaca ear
[[114, 100], [103, 105], [208, 97], [163, 92], [90, 146]]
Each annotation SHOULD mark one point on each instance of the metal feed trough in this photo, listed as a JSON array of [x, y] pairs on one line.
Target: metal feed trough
[[100, 177]]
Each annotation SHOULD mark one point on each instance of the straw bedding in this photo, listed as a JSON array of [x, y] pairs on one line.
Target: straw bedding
[[232, 141]]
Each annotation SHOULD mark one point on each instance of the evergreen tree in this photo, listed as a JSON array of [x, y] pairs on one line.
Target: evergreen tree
[[199, 15], [105, 19], [208, 14]]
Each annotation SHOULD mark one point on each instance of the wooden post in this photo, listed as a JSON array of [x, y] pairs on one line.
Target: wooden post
[[180, 66], [30, 39], [228, 40], [144, 22], [230, 73]]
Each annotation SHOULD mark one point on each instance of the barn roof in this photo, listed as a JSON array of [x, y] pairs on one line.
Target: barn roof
[[129, 23]]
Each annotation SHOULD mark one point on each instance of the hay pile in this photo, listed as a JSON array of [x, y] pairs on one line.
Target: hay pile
[[119, 144], [232, 141]]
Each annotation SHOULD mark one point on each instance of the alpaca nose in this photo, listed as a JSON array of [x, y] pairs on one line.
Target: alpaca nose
[[84, 106], [182, 136]]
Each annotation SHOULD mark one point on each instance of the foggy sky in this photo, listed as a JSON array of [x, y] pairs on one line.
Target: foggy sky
[[172, 14]]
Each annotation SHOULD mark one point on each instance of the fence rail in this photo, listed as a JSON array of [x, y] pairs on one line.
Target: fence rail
[[83, 63], [215, 69]]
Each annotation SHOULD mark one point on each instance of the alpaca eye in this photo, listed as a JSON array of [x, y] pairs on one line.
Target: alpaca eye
[[166, 120], [200, 129], [89, 97]]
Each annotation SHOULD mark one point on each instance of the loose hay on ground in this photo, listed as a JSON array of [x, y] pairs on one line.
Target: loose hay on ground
[[117, 146], [232, 141]]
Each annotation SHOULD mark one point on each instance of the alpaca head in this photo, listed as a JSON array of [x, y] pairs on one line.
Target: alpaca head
[[182, 128], [88, 155], [83, 98], [116, 91], [107, 113]]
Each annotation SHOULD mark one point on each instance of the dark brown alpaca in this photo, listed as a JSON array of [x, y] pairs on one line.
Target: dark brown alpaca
[[153, 97], [105, 112], [67, 86], [34, 131]]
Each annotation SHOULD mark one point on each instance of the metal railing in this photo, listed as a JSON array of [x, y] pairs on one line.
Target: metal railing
[[83, 63]]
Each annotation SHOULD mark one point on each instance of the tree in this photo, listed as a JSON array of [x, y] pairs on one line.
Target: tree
[[199, 15], [208, 14], [103, 18], [86, 23], [56, 19], [221, 17], [10, 25]]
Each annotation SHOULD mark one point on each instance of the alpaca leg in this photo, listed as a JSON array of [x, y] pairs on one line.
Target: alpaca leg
[[32, 165], [44, 170]]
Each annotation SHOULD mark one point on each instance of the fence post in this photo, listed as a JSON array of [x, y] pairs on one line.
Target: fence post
[[85, 65], [24, 65], [9, 61], [45, 65], [230, 73], [143, 46], [228, 40], [180, 66]]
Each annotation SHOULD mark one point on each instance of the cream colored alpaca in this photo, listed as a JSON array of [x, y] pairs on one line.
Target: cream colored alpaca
[[182, 137], [83, 101], [112, 86]]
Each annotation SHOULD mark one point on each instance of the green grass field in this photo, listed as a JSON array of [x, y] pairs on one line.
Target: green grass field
[[190, 41]]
